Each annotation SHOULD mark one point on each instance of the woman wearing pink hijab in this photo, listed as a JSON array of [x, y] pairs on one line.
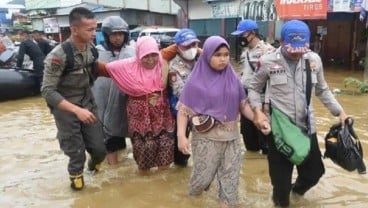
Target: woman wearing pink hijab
[[143, 78]]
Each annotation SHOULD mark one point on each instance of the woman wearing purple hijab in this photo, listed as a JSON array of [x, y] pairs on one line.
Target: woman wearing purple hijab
[[213, 91]]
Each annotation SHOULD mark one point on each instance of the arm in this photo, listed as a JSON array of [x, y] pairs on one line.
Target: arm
[[176, 83], [260, 78], [182, 122], [266, 105], [101, 69], [48, 47], [261, 121], [246, 110], [247, 71], [20, 56], [324, 94], [82, 114], [169, 52], [54, 67], [165, 73]]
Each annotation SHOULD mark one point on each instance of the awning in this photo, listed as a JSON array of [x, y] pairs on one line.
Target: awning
[[301, 9]]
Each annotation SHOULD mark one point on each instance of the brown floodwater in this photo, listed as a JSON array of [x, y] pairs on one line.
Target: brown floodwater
[[33, 170]]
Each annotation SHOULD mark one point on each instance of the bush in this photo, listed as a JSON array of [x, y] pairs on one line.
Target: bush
[[362, 87]]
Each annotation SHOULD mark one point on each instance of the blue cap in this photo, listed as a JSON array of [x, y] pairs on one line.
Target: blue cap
[[185, 37], [245, 26], [296, 34]]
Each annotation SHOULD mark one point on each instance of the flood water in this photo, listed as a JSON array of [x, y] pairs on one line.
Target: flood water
[[33, 170]]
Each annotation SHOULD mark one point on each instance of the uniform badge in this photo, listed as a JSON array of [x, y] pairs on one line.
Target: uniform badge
[[313, 65], [172, 76], [56, 61], [276, 69]]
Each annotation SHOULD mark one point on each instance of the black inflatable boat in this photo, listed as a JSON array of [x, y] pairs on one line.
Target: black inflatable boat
[[16, 84]]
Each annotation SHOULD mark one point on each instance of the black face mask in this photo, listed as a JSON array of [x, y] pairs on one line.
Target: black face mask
[[243, 42]]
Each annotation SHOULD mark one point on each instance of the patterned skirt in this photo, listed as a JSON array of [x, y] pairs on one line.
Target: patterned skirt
[[149, 128]]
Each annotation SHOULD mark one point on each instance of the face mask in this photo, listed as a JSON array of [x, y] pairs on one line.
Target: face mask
[[243, 42], [189, 54]]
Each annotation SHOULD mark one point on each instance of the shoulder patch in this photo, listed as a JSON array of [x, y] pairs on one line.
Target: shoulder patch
[[313, 65], [56, 61]]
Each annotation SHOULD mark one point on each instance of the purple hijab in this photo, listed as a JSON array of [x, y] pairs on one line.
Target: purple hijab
[[211, 92]]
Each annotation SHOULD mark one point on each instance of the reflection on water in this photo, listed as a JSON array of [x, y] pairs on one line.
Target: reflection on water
[[33, 169]]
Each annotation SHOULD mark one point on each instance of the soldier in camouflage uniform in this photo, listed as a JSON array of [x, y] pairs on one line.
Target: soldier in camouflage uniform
[[67, 91], [253, 48], [111, 101], [179, 69]]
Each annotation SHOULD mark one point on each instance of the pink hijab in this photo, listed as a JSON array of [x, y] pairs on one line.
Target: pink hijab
[[130, 75]]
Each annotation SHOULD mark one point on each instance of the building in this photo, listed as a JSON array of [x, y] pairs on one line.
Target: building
[[342, 32], [55, 12]]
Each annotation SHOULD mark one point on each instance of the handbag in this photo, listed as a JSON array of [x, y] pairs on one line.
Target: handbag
[[202, 123], [343, 147], [289, 139]]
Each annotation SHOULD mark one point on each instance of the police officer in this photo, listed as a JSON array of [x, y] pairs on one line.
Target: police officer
[[179, 69], [67, 90], [253, 48], [111, 102], [285, 68]]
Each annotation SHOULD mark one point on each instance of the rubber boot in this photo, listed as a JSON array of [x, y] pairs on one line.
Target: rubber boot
[[93, 166], [77, 182]]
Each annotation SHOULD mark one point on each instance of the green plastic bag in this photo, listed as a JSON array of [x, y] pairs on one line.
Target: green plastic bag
[[289, 138]]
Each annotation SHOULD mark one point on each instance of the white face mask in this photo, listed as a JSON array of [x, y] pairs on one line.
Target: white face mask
[[189, 54]]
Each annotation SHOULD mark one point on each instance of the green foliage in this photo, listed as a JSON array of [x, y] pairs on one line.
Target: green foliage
[[362, 87]]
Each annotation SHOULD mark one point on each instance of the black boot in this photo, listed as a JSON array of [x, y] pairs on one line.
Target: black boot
[[77, 182]]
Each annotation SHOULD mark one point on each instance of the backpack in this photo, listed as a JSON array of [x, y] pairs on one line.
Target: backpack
[[69, 63]]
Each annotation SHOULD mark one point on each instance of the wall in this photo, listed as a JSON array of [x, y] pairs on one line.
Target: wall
[[344, 36], [222, 18], [136, 17], [199, 10], [43, 4], [159, 6], [260, 10]]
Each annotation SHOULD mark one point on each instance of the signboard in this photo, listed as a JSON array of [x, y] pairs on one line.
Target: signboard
[[343, 5], [224, 10], [301, 9], [259, 10], [50, 25]]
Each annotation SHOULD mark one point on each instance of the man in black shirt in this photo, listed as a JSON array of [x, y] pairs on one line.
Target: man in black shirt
[[29, 47], [44, 44]]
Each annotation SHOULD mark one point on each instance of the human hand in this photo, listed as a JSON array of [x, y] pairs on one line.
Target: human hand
[[260, 120], [184, 145], [266, 128], [85, 115], [266, 108], [342, 118]]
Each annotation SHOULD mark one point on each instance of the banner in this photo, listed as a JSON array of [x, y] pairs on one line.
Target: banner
[[50, 25], [301, 9], [343, 5]]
